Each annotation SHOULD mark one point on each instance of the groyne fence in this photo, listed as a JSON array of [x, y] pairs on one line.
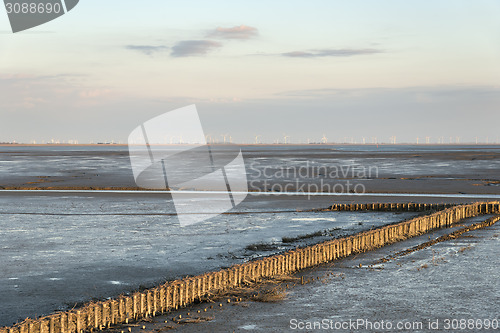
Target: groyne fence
[[179, 293], [390, 207]]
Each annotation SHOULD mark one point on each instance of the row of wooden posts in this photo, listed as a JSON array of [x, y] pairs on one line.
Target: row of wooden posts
[[179, 293], [391, 207]]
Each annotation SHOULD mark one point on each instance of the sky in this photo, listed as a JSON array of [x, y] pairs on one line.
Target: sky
[[347, 71]]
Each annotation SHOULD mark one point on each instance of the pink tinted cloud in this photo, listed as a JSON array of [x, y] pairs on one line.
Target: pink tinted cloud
[[237, 32]]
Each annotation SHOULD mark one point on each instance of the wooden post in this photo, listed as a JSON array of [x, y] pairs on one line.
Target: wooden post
[[136, 305], [186, 293], [62, 322], [204, 284], [52, 325], [156, 301], [197, 294], [129, 307], [176, 295], [112, 312], [161, 301], [104, 316], [149, 303], [142, 304], [44, 326], [181, 295], [78, 321], [192, 292], [97, 316], [168, 298], [23, 328], [121, 310]]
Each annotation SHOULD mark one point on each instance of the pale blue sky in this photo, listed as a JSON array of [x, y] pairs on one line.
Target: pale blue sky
[[304, 69]]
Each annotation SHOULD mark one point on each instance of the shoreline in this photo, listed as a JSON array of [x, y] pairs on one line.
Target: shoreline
[[107, 190], [386, 144]]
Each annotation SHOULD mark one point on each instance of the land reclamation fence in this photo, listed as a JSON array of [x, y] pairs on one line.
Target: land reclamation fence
[[179, 293]]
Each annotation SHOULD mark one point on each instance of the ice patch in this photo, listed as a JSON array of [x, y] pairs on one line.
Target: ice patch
[[330, 219], [248, 327]]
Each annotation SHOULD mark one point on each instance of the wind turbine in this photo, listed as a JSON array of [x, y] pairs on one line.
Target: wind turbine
[[257, 139], [285, 137]]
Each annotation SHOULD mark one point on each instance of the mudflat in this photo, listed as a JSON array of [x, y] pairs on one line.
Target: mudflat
[[114, 242], [274, 168]]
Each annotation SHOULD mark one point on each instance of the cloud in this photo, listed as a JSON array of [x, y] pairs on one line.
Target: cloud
[[187, 48], [417, 96], [237, 32], [24, 91], [326, 92], [147, 49], [95, 93], [330, 53]]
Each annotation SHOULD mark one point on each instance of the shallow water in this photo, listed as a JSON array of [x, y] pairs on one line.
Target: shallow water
[[60, 250], [110, 165], [271, 194], [62, 247]]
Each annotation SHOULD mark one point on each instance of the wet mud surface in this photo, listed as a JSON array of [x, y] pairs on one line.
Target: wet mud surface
[[327, 168], [58, 251], [451, 280]]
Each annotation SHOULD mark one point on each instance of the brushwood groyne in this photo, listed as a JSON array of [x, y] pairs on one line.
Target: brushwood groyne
[[179, 293]]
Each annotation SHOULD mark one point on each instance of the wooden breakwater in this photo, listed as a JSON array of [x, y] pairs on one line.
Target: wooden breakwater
[[390, 207], [179, 293]]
